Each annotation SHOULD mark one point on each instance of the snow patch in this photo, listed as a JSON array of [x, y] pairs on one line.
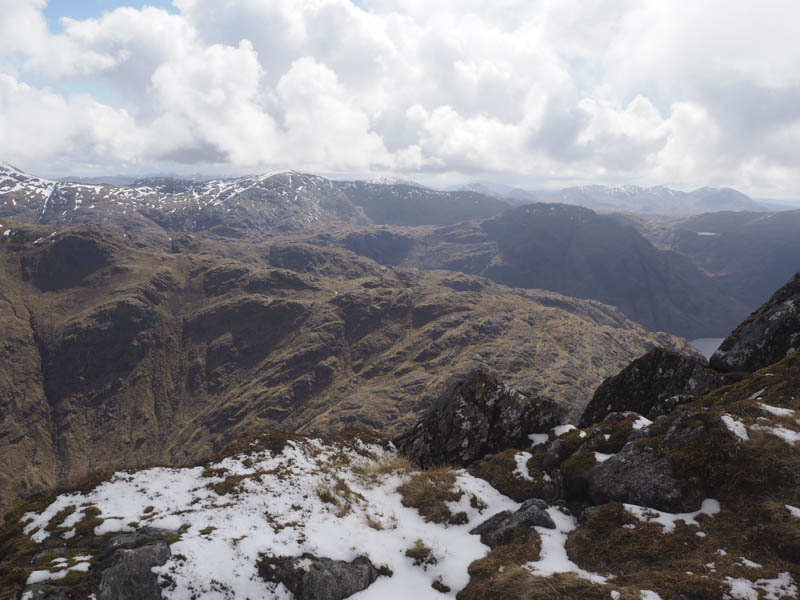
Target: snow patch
[[553, 555], [641, 423], [521, 472], [736, 427], [776, 410], [709, 507], [782, 586], [537, 439]]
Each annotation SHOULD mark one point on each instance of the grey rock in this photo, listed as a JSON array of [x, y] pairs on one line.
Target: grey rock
[[556, 452], [655, 382], [44, 591], [637, 476], [312, 578], [476, 416], [497, 529], [766, 336], [683, 430], [131, 576]]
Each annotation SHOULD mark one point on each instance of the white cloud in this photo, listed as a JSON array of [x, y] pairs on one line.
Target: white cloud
[[681, 92]]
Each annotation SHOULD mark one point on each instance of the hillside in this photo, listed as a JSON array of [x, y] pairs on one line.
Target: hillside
[[131, 349], [566, 249], [576, 252], [700, 502]]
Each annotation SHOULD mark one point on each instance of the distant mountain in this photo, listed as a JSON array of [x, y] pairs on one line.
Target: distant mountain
[[748, 254], [577, 252], [652, 201], [285, 201], [406, 204], [115, 180]]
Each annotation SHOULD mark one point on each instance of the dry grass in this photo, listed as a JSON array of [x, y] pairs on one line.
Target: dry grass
[[677, 563], [517, 583], [429, 491], [389, 464], [498, 469], [421, 554]]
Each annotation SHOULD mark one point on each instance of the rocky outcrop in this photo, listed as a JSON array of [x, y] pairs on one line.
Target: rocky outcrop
[[312, 578], [475, 416], [131, 576], [635, 475], [652, 386], [498, 529], [766, 336]]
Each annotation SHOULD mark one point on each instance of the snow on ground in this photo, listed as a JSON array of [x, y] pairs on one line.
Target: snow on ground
[[709, 507], [537, 439], [736, 427], [789, 436], [521, 472], [776, 410], [562, 429], [553, 555], [277, 510], [782, 586], [641, 423]]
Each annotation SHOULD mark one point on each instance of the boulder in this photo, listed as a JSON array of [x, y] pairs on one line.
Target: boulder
[[131, 575], [766, 336], [653, 384], [312, 578], [476, 416], [637, 476], [499, 528]]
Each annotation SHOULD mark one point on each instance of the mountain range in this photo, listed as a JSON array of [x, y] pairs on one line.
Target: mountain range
[[636, 265]]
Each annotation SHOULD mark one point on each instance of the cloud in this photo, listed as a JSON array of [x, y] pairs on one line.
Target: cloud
[[685, 93]]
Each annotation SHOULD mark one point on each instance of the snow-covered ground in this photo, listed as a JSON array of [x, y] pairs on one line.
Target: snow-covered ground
[[276, 509]]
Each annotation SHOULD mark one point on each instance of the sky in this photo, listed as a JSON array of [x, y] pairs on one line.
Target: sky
[[535, 93]]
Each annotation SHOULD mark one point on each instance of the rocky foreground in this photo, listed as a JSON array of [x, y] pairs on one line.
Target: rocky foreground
[[689, 495]]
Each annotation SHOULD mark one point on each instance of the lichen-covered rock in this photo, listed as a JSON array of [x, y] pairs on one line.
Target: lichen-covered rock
[[766, 336], [312, 578], [637, 476], [476, 416], [497, 529], [131, 576], [652, 385]]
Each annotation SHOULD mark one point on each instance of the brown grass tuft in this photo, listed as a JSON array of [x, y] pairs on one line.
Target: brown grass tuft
[[429, 491], [421, 554]]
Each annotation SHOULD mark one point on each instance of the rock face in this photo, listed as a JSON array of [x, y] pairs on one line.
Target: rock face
[[131, 576], [312, 578], [497, 529], [766, 336], [652, 386], [636, 476], [474, 417]]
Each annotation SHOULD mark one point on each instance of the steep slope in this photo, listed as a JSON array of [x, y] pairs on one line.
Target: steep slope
[[577, 252], [125, 352], [766, 336]]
